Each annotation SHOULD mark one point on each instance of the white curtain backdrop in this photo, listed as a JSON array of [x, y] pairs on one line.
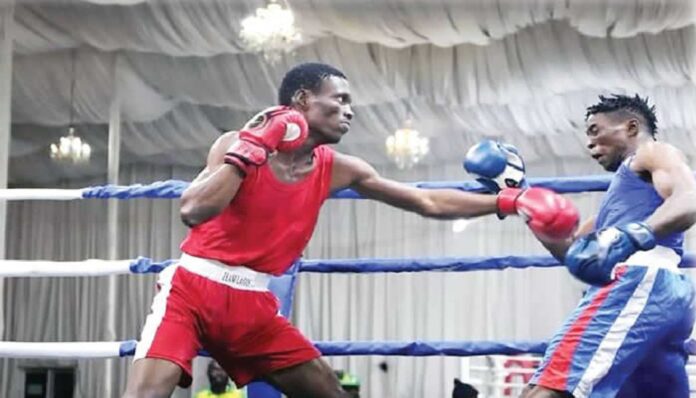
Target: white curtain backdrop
[[520, 304]]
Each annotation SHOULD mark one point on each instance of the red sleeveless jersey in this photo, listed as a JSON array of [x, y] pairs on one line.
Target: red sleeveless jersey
[[268, 223]]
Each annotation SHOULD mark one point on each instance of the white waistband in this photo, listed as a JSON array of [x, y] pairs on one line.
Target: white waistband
[[238, 277], [659, 257]]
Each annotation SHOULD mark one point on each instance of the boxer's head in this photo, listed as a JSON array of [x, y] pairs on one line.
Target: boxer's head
[[217, 376], [615, 125], [322, 93]]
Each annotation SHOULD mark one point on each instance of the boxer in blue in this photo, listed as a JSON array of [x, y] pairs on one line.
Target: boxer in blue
[[626, 337]]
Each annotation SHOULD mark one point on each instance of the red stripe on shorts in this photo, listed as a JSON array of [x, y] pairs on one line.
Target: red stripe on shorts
[[556, 373]]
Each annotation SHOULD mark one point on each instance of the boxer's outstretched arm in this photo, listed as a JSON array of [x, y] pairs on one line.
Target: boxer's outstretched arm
[[352, 172], [673, 181], [214, 187]]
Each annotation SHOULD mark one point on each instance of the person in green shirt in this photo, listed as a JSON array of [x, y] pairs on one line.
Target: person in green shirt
[[350, 383], [220, 384]]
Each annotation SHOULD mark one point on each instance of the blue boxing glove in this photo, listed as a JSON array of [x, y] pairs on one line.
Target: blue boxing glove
[[593, 257], [495, 165]]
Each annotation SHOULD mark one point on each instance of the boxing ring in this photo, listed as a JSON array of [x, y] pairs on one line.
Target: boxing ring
[[508, 363]]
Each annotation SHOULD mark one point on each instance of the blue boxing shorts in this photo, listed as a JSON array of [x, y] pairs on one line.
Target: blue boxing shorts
[[625, 337]]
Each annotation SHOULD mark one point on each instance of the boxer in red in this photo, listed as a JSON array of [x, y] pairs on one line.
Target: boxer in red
[[252, 211]]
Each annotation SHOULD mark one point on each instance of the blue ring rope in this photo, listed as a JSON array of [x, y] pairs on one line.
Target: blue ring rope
[[419, 348], [171, 189], [143, 265]]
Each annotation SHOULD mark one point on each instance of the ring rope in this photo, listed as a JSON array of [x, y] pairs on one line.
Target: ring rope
[[171, 189], [144, 265], [417, 348]]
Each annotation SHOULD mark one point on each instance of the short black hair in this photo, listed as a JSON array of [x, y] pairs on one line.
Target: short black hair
[[464, 390], [635, 105], [211, 365], [305, 76]]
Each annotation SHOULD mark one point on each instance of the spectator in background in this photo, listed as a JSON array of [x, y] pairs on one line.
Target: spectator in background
[[349, 383], [220, 385]]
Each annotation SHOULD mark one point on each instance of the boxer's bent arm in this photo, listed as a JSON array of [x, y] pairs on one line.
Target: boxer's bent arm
[[673, 181], [558, 249], [352, 172], [213, 189]]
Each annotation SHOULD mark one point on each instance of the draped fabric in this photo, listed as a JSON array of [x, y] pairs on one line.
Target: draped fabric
[[523, 71], [210, 27]]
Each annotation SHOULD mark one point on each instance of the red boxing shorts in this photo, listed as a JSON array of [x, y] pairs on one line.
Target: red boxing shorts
[[229, 312]]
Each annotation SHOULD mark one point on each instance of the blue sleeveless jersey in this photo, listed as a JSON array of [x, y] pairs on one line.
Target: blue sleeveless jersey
[[631, 199]]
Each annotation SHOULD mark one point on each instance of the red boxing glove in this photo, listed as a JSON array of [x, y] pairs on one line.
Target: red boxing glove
[[277, 128], [550, 215]]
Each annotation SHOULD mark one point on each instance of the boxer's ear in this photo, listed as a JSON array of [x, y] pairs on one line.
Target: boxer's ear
[[300, 100]]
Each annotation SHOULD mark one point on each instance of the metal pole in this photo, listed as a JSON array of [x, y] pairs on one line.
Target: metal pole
[[6, 54], [112, 221]]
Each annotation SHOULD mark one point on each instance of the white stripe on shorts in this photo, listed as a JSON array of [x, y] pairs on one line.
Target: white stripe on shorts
[[606, 352], [159, 306]]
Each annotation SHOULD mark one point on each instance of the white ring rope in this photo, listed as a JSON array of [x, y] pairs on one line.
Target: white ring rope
[[72, 350], [45, 268], [40, 194]]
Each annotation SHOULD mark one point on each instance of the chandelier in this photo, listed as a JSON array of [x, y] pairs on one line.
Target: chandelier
[[270, 31], [71, 148], [406, 146]]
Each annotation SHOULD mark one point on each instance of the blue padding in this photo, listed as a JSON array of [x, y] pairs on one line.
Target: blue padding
[[370, 265], [170, 189], [407, 348], [595, 183], [284, 288], [259, 389], [426, 264], [449, 348], [430, 348], [446, 264], [559, 184], [421, 348], [127, 348], [144, 265]]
